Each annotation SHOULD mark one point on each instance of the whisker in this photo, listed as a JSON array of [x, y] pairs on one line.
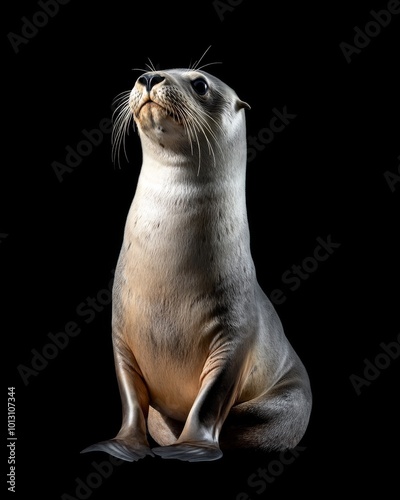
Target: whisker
[[151, 65], [120, 98], [199, 123], [196, 64], [122, 118], [208, 64], [190, 133], [124, 92], [145, 70]]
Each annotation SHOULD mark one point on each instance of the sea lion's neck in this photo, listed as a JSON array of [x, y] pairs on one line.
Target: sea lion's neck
[[207, 190], [195, 213]]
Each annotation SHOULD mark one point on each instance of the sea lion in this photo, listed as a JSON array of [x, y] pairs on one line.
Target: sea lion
[[201, 358]]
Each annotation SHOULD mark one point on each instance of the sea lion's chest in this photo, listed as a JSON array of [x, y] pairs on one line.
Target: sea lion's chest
[[164, 303]]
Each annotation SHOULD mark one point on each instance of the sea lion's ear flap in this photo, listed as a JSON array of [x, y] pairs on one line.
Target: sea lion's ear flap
[[241, 104]]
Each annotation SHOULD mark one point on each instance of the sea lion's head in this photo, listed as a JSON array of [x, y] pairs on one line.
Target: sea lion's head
[[182, 112]]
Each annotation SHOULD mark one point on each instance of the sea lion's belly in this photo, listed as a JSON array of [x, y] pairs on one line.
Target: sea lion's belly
[[169, 335], [171, 362]]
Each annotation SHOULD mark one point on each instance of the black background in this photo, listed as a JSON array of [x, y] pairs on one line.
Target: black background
[[323, 175]]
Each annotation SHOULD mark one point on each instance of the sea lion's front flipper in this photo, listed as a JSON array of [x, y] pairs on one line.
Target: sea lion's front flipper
[[220, 380], [131, 442], [120, 448]]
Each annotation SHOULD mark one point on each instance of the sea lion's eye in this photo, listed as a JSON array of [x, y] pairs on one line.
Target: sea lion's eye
[[200, 86]]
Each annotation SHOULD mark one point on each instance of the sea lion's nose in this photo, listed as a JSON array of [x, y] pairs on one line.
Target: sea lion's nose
[[148, 80]]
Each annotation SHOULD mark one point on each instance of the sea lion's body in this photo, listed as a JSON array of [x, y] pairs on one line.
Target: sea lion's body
[[201, 356]]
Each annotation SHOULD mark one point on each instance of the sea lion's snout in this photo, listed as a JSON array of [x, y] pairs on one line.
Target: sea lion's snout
[[148, 80]]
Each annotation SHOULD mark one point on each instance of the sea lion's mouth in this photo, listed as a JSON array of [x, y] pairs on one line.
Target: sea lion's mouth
[[147, 103], [166, 111]]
